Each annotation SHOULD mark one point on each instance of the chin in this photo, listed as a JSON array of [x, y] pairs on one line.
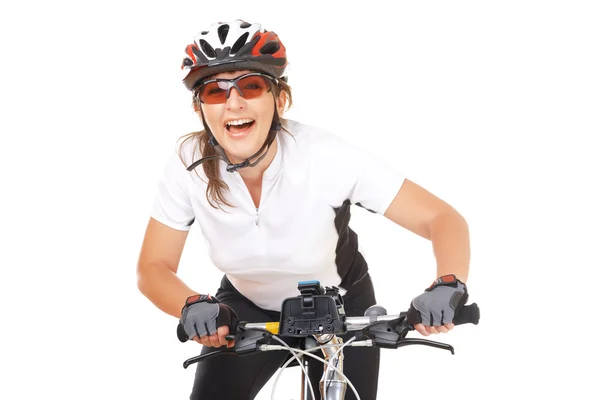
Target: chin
[[242, 145], [240, 151]]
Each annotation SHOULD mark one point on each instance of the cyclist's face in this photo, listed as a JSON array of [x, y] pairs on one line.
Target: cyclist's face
[[241, 124]]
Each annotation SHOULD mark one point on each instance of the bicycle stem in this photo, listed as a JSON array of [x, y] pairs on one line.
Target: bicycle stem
[[332, 385]]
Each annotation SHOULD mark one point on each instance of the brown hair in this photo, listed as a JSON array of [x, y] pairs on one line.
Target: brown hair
[[215, 193]]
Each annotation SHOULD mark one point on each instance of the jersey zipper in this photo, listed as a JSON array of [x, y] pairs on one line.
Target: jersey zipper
[[256, 209]]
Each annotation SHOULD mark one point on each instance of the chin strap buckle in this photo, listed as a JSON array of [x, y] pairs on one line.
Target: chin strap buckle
[[233, 167]]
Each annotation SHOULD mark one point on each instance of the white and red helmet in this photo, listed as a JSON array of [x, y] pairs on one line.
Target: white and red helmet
[[232, 46]]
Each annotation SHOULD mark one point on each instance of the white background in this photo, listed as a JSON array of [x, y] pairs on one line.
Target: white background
[[493, 106]]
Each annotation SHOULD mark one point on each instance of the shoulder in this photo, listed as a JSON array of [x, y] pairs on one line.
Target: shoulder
[[309, 137], [315, 153]]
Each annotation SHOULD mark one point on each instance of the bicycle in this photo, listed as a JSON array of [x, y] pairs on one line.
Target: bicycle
[[317, 317]]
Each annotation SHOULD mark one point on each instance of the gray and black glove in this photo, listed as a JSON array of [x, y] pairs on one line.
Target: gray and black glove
[[202, 315], [440, 303]]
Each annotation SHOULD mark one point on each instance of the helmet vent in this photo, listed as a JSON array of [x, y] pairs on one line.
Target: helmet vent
[[270, 48], [239, 43], [223, 31], [207, 48], [231, 46]]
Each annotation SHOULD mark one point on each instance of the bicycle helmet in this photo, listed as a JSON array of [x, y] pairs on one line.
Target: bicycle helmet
[[231, 46]]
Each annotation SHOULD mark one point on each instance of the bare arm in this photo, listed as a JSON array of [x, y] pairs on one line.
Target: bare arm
[[419, 211], [157, 268]]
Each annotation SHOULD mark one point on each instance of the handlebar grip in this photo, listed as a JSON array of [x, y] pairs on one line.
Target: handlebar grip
[[467, 315], [181, 335]]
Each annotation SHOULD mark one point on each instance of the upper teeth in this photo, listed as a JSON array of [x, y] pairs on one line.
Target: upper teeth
[[240, 121]]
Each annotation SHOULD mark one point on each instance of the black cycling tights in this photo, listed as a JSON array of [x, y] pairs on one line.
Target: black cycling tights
[[240, 378]]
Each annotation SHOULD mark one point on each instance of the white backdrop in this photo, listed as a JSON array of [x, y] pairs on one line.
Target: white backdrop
[[493, 106]]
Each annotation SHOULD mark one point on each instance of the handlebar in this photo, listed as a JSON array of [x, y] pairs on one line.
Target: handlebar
[[468, 314], [376, 328]]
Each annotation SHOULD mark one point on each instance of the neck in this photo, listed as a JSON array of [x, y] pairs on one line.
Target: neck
[[253, 174]]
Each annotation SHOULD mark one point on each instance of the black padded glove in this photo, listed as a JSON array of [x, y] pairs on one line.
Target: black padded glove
[[440, 302], [202, 315]]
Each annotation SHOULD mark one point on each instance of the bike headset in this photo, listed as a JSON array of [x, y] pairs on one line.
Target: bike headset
[[234, 46]]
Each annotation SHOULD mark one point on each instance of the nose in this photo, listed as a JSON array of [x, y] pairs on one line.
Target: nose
[[235, 101]]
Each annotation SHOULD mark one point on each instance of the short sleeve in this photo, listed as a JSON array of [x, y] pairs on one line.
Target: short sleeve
[[377, 183], [358, 175], [171, 204]]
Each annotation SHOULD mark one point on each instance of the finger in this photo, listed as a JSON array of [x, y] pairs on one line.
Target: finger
[[431, 329], [449, 326], [222, 332], [202, 337], [214, 340], [205, 341], [442, 329], [196, 339], [421, 329]]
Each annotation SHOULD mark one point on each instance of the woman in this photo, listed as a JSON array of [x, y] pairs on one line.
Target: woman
[[273, 198]]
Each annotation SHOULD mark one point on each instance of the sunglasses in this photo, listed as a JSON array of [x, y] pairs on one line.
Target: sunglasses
[[249, 86]]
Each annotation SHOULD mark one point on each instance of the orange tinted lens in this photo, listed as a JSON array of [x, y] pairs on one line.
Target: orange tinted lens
[[253, 86], [211, 93]]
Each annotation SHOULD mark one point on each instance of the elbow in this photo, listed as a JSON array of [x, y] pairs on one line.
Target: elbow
[[151, 274], [448, 220], [142, 278], [459, 220]]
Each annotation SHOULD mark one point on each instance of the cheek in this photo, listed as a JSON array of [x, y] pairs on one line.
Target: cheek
[[267, 111], [212, 117]]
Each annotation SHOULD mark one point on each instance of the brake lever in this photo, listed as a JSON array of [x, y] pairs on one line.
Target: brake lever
[[246, 341], [425, 342], [392, 334], [201, 357]]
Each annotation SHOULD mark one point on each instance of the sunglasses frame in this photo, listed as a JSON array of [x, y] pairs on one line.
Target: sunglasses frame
[[231, 83]]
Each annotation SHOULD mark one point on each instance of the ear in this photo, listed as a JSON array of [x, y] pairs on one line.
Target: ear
[[281, 102], [199, 113], [196, 106]]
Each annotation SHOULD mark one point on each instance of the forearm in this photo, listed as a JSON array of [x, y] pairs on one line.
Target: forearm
[[449, 234], [163, 288]]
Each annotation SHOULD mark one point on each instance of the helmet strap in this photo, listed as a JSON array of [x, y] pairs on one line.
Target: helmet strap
[[259, 155]]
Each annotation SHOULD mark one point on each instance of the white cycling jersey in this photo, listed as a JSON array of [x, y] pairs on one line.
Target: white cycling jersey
[[300, 229]]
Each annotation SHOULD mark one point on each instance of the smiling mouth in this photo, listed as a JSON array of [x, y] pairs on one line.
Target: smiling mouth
[[239, 125]]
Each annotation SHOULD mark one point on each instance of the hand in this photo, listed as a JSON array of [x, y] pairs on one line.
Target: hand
[[217, 339], [206, 321], [427, 330], [433, 311]]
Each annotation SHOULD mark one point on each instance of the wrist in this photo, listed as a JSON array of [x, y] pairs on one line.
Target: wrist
[[446, 280], [199, 298], [460, 273]]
